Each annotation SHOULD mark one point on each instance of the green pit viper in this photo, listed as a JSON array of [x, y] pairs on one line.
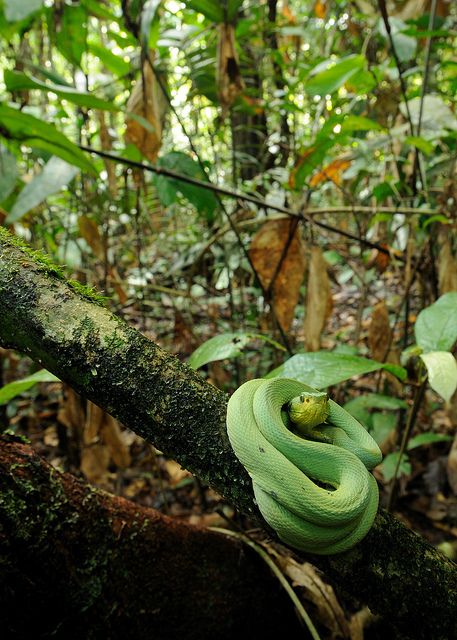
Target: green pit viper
[[309, 462]]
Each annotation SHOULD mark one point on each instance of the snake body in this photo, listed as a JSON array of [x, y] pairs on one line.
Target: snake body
[[311, 478]]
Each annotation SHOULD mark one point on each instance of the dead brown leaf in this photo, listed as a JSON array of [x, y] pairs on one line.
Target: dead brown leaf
[[447, 261], [379, 332], [228, 77], [319, 302], [332, 171], [146, 101], [320, 9], [88, 229], [266, 250]]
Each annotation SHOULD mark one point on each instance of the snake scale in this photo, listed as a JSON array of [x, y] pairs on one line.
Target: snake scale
[[309, 462]]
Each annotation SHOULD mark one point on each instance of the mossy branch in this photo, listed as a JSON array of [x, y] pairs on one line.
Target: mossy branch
[[393, 570]]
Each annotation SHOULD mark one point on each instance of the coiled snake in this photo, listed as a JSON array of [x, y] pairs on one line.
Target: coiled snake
[[309, 461]]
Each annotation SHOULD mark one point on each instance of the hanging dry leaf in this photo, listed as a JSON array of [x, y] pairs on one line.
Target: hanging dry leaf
[[146, 101], [332, 171], [319, 302], [447, 261], [379, 332], [88, 229], [266, 250], [106, 144], [329, 611], [228, 76]]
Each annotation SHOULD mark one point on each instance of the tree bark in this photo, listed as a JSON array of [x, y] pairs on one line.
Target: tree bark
[[392, 570], [79, 563]]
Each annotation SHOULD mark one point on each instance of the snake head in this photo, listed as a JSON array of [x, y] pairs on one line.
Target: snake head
[[308, 409]]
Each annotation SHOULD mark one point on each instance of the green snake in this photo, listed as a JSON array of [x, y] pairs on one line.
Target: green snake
[[309, 462]]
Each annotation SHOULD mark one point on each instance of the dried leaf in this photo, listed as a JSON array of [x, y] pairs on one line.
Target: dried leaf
[[228, 76], [318, 300], [175, 472], [329, 611], [447, 262], [88, 229], [266, 251], [379, 332], [331, 172], [146, 101]]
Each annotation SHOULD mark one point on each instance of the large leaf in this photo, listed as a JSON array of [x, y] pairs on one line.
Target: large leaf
[[16, 10], [56, 174], [324, 368], [149, 30], [72, 33], [389, 465], [211, 9], [203, 199], [442, 372], [436, 326], [13, 389], [8, 172], [36, 133], [117, 65], [332, 78], [16, 80], [225, 346], [405, 45]]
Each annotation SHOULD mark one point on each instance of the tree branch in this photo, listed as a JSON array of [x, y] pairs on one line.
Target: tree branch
[[393, 570]]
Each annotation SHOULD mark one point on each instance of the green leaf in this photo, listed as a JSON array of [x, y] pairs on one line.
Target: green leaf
[[149, 29], [8, 173], [442, 372], [334, 76], [117, 65], [72, 33], [389, 464], [56, 174], [428, 438], [232, 9], [420, 143], [211, 9], [19, 9], [36, 133], [322, 369], [405, 45], [359, 123], [376, 401], [225, 346], [436, 325], [383, 425], [13, 389], [16, 80], [203, 199]]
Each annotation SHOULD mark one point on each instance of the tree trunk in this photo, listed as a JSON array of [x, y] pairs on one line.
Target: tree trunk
[[393, 570], [79, 563]]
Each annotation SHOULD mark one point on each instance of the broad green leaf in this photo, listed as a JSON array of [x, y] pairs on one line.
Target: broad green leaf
[[113, 63], [436, 325], [442, 372], [389, 464], [383, 424], [359, 123], [19, 9], [149, 29], [8, 173], [211, 9], [13, 389], [225, 346], [56, 174], [437, 116], [322, 369], [16, 80], [36, 133], [334, 76], [428, 438], [72, 33], [376, 401], [204, 200], [232, 9], [420, 143]]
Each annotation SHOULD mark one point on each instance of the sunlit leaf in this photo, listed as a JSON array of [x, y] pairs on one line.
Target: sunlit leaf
[[389, 464], [16, 80], [211, 9], [442, 372], [225, 346], [436, 326], [56, 174], [13, 389], [334, 76]]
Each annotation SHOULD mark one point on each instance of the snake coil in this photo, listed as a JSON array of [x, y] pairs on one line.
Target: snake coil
[[319, 496]]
